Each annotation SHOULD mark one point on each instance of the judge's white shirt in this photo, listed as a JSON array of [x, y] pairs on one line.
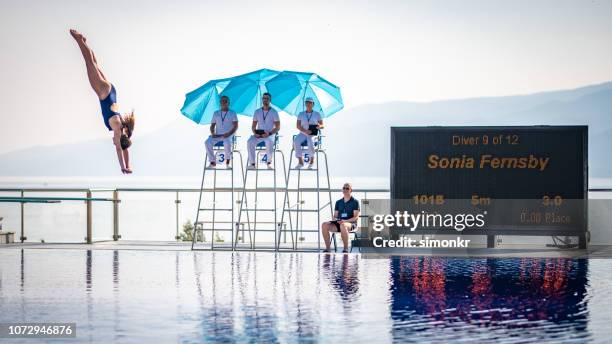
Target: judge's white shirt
[[265, 119], [308, 118], [224, 121]]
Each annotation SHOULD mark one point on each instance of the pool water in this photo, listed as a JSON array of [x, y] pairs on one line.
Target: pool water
[[158, 297]]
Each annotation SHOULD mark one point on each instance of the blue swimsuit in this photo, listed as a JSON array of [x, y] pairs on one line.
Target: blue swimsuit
[[106, 104]]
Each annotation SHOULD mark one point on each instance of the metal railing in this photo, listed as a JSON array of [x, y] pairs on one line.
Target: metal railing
[[116, 200]]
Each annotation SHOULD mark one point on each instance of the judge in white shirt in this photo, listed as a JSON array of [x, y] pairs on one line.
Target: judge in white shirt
[[308, 122], [223, 125], [266, 124]]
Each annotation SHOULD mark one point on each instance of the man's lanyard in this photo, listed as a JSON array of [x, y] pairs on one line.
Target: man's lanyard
[[223, 116], [264, 114], [309, 117], [344, 206]]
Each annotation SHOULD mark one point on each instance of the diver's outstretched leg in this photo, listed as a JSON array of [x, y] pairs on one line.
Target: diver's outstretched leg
[[96, 79], [97, 65], [95, 60]]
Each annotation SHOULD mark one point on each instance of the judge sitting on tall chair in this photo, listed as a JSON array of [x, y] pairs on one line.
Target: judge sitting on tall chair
[[223, 125], [266, 125], [308, 123]]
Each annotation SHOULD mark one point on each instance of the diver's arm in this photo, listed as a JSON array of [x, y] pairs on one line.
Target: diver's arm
[[117, 142]]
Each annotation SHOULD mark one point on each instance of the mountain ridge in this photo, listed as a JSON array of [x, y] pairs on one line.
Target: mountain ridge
[[177, 149]]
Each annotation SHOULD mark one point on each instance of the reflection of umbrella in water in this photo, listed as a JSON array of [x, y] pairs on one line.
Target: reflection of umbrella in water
[[289, 89], [244, 92]]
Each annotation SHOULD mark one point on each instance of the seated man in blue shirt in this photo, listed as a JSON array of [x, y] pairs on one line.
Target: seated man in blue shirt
[[346, 215]]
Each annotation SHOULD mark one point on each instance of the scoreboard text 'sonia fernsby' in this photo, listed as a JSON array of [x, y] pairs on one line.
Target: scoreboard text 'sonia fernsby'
[[528, 180]]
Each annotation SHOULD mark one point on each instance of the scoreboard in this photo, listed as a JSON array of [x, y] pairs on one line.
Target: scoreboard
[[531, 180]]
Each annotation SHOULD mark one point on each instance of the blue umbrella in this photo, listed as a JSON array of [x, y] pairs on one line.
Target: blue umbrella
[[201, 103], [289, 89], [243, 90]]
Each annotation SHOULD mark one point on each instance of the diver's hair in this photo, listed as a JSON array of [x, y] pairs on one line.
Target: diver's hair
[[225, 97], [125, 142], [128, 125], [267, 94]]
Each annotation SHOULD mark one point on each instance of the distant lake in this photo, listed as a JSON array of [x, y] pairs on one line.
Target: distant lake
[[142, 215], [135, 181]]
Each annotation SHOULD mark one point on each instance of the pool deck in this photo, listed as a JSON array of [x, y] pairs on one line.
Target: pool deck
[[594, 251]]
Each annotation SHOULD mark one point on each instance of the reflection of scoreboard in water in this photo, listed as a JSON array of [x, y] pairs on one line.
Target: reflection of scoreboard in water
[[516, 296], [530, 180]]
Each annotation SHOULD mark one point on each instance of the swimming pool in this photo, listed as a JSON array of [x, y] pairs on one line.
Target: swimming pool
[[136, 296]]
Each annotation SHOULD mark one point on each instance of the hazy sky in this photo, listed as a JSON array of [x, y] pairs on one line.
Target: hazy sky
[[376, 51]]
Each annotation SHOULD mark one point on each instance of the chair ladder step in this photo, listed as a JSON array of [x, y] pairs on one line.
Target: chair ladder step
[[216, 229], [216, 209]]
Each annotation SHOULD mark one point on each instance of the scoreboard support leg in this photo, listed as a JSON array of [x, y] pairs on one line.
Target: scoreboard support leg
[[582, 242], [490, 241]]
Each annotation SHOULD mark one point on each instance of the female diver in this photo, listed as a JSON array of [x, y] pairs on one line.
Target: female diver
[[122, 126]]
